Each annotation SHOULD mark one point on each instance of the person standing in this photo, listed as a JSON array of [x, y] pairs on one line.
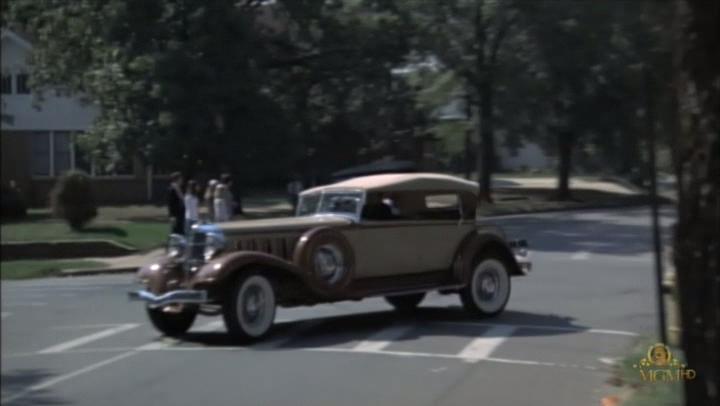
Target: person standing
[[192, 201], [210, 199], [226, 195], [176, 204], [222, 212], [294, 188]]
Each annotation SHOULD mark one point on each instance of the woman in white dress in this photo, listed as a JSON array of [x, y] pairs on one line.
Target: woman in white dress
[[222, 211], [209, 200], [192, 201]]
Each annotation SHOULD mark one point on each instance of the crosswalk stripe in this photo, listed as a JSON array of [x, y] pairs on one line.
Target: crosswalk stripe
[[382, 338], [481, 347], [215, 325], [88, 338]]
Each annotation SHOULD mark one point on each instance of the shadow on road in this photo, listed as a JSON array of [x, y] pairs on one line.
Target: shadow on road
[[16, 381], [425, 322]]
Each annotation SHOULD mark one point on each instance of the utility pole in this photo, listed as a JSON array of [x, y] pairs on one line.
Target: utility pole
[[652, 173]]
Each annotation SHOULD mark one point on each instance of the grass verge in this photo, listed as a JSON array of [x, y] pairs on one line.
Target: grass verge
[[39, 269], [140, 235], [530, 200], [646, 393]]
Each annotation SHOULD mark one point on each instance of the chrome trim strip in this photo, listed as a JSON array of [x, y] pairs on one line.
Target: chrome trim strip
[[172, 297]]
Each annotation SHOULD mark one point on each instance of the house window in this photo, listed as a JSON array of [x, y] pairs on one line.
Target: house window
[[62, 152], [6, 84], [40, 153], [22, 84]]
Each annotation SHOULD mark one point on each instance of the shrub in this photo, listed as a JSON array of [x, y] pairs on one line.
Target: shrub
[[12, 205], [72, 199]]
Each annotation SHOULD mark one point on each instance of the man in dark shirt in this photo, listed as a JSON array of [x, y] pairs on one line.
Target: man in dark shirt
[[175, 204]]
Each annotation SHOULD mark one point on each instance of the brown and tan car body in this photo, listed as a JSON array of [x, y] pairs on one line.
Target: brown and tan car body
[[385, 256]]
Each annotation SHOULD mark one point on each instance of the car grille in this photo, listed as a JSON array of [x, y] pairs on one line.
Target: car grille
[[196, 245]]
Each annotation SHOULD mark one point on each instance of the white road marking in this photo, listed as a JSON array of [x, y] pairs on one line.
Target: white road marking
[[85, 326], [608, 360], [88, 338], [580, 255], [215, 325], [5, 314], [481, 347], [541, 327], [54, 381], [25, 304], [382, 338], [410, 354]]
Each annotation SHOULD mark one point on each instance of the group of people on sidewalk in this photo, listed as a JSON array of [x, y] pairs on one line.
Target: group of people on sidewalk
[[185, 200]]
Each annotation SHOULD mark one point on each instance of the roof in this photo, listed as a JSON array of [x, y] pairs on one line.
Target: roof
[[401, 182]]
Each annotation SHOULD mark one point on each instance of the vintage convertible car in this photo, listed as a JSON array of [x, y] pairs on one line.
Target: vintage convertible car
[[392, 235]]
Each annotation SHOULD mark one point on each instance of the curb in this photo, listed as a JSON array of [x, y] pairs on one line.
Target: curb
[[97, 271]]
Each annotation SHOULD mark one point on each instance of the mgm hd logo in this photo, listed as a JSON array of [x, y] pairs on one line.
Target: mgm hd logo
[[661, 366]]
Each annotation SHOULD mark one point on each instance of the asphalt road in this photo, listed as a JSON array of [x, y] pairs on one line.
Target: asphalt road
[[78, 341]]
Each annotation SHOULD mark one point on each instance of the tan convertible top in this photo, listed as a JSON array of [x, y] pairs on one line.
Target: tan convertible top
[[402, 182]]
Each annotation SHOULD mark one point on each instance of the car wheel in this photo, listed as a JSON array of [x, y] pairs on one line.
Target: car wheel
[[405, 303], [488, 290], [171, 322], [249, 309]]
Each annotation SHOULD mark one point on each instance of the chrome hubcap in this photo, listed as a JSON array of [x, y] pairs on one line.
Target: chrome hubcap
[[256, 306]]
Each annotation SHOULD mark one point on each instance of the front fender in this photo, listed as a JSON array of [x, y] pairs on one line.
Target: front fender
[[160, 276], [226, 266]]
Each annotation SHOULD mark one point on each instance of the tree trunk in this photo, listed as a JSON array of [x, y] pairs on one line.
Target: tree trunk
[[565, 143], [697, 234], [487, 142], [483, 120]]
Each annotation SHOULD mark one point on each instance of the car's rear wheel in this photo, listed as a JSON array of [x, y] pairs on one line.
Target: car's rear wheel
[[406, 303], [249, 308], [488, 291], [171, 320]]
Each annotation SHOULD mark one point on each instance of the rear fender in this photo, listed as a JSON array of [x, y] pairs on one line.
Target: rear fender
[[476, 244]]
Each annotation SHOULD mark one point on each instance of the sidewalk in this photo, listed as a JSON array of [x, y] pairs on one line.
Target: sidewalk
[[550, 182], [125, 264]]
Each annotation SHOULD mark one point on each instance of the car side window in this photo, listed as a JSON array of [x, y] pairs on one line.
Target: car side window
[[444, 206]]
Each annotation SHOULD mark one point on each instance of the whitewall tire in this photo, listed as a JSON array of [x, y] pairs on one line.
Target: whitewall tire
[[249, 308], [488, 291]]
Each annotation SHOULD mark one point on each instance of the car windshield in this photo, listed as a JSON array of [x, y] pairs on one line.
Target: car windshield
[[330, 202]]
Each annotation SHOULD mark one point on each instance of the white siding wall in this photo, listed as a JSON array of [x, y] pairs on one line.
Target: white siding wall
[[529, 156], [52, 114]]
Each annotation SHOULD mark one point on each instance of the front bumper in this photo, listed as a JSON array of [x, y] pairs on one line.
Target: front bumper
[[172, 297], [522, 255]]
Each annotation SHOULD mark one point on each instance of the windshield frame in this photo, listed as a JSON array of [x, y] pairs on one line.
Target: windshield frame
[[333, 191]]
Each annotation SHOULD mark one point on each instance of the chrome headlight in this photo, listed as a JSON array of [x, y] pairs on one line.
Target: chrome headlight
[[176, 246], [214, 243]]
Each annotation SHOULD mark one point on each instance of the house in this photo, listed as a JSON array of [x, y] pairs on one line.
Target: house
[[523, 157], [39, 138]]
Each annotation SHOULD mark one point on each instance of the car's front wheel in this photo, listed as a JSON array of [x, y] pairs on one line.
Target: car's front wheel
[[405, 303], [488, 291], [171, 321], [249, 309]]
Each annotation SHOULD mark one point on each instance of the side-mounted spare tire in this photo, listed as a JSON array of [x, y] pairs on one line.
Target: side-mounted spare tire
[[326, 259]]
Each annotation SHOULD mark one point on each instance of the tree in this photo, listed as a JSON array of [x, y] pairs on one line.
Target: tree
[[466, 36], [177, 82], [697, 157]]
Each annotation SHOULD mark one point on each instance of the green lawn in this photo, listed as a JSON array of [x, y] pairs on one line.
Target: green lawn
[[40, 268], [647, 393], [138, 234]]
